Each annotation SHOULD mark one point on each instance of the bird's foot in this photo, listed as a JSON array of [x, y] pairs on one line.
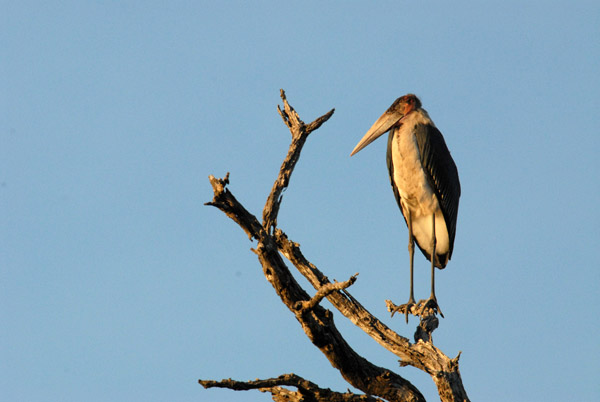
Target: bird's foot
[[430, 307], [409, 307]]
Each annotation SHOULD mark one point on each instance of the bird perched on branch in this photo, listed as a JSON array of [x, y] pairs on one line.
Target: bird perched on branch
[[425, 183]]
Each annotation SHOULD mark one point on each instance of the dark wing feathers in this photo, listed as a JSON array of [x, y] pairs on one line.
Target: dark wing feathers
[[441, 172]]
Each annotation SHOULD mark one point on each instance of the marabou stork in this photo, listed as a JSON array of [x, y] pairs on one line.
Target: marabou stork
[[425, 182]]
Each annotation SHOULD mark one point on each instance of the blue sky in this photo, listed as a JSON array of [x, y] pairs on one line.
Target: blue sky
[[118, 284]]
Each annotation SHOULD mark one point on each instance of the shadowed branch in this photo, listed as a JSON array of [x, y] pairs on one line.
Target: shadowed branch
[[307, 391]]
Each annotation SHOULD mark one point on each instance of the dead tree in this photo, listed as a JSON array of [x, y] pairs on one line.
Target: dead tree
[[377, 383]]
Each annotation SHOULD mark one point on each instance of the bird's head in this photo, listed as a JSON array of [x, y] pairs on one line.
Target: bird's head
[[400, 108]]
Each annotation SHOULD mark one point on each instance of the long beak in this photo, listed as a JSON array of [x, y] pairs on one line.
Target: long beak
[[380, 127]]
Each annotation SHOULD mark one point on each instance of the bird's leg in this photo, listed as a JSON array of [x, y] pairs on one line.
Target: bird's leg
[[411, 251], [433, 244], [432, 301]]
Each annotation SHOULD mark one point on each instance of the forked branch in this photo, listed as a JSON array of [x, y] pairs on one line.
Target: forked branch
[[300, 133]]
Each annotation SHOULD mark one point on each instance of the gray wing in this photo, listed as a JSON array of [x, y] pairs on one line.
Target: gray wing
[[441, 172]]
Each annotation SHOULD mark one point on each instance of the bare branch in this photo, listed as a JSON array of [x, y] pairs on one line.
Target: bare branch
[[226, 202], [289, 115], [307, 391], [325, 291], [300, 133], [320, 120]]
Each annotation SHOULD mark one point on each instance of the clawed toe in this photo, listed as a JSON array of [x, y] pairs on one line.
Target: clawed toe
[[404, 308], [423, 308], [432, 304]]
